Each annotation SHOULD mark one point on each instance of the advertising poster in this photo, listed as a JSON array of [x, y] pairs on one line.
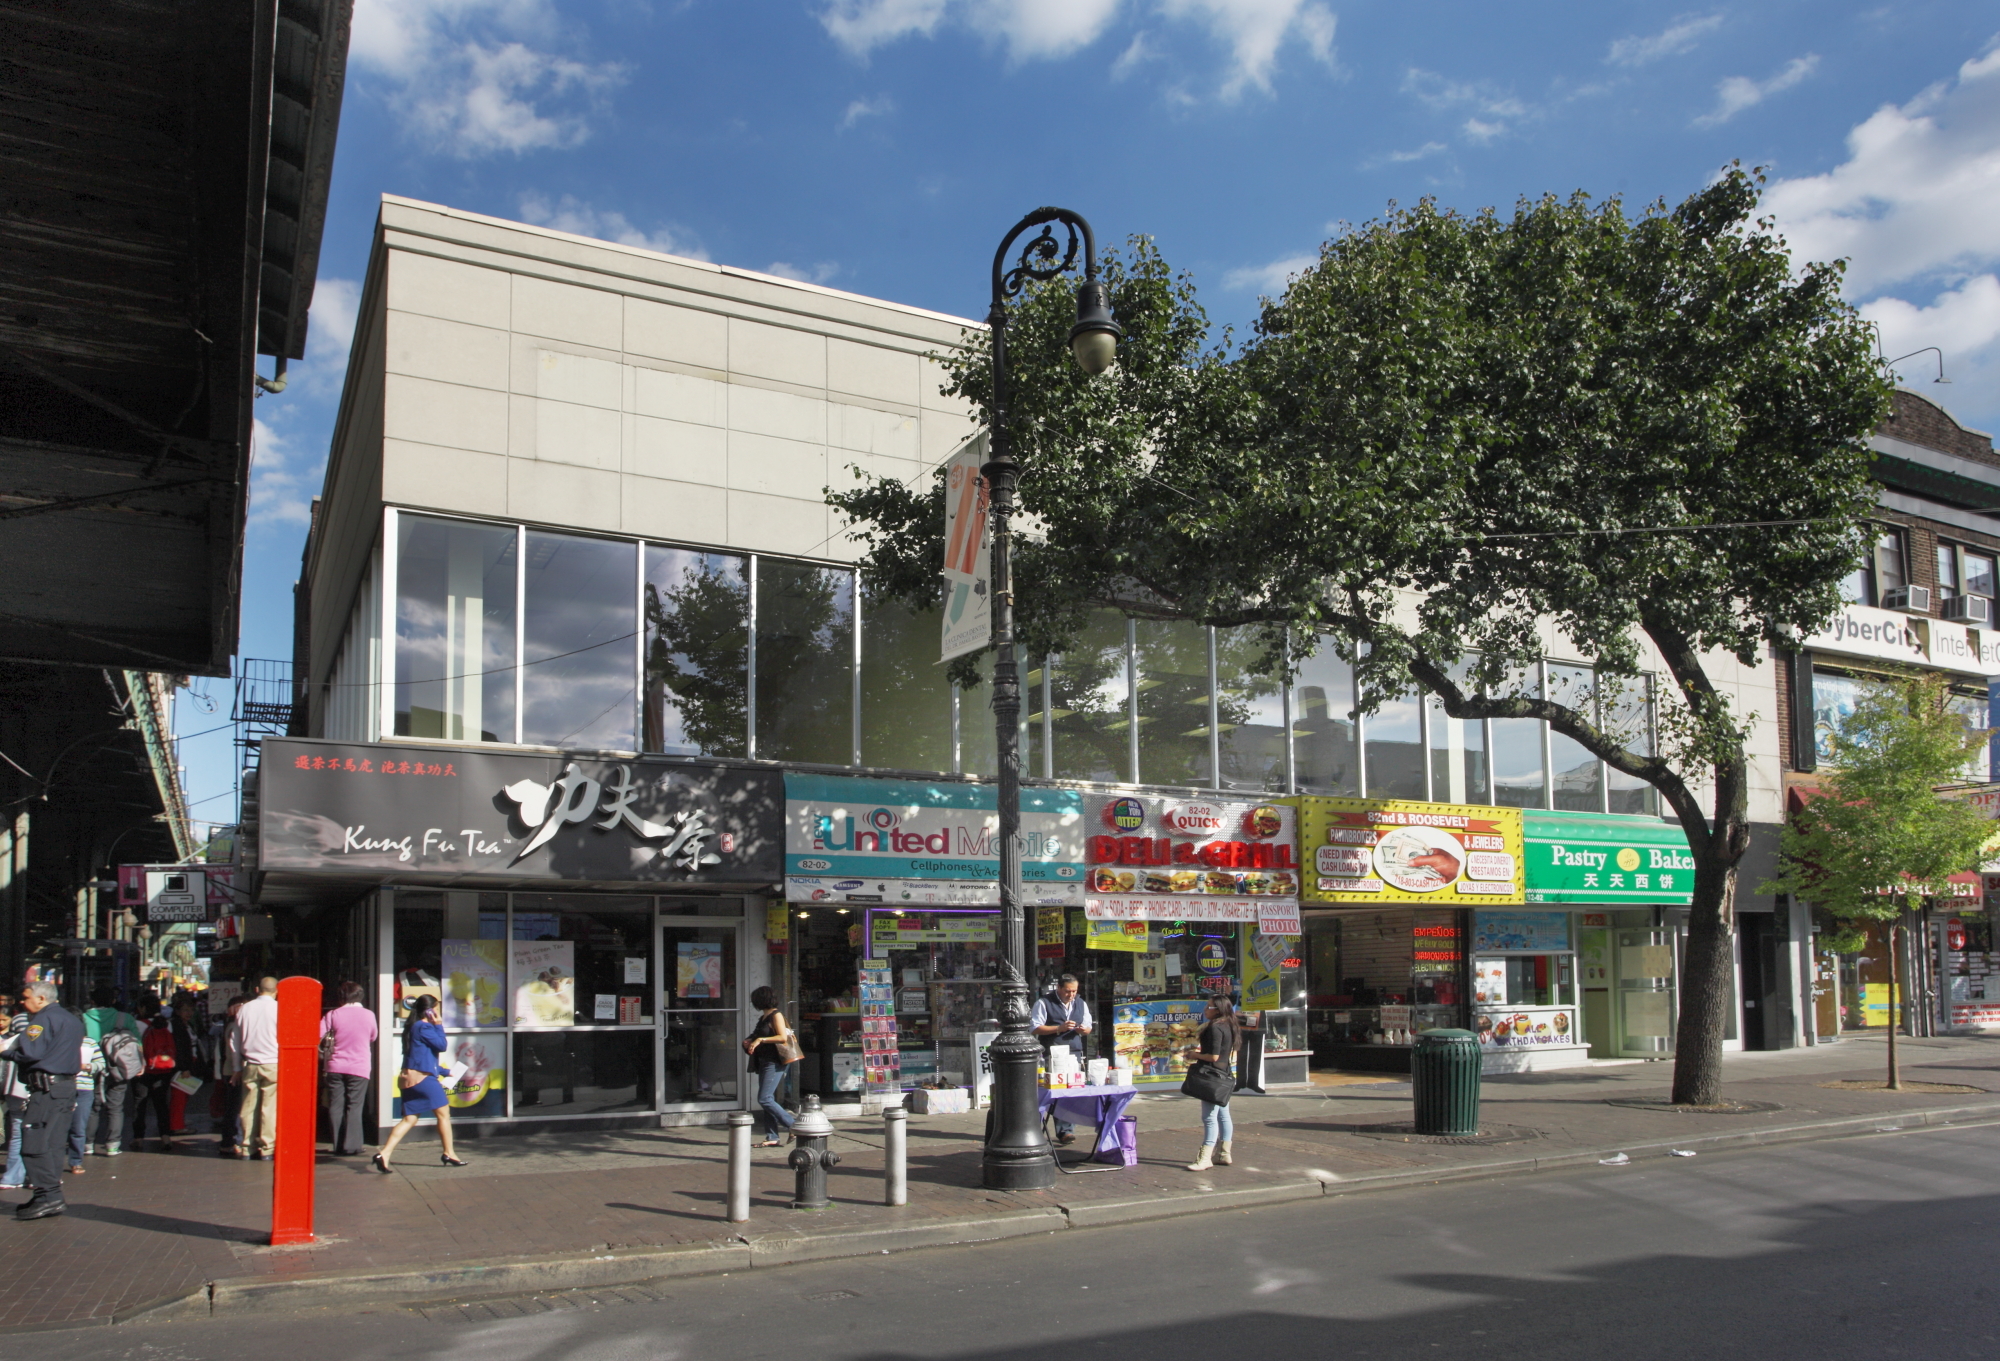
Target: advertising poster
[[1389, 850], [475, 979], [1262, 970], [480, 1092], [698, 970], [1208, 860], [1126, 936], [1153, 1037], [1526, 932], [544, 982]]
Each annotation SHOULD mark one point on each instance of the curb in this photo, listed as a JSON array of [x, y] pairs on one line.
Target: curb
[[512, 1276]]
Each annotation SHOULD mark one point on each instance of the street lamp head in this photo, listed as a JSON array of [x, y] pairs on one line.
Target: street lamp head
[[1094, 338]]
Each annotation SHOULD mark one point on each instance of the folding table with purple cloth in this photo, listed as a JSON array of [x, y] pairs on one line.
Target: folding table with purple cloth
[[1103, 1107]]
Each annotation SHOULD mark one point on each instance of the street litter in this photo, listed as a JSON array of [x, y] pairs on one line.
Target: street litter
[[1618, 1160], [1681, 1152]]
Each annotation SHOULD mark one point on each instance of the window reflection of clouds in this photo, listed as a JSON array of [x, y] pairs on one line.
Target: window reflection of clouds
[[579, 641], [454, 661]]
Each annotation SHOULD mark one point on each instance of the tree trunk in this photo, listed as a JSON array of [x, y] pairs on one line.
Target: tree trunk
[[1707, 975], [1895, 944]]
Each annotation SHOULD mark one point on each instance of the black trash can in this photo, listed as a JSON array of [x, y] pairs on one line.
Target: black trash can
[[1444, 1080]]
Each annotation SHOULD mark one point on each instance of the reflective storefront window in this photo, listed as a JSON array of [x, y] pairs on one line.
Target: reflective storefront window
[[583, 1072], [1250, 713], [454, 630], [1395, 753], [579, 630], [905, 697], [1172, 657], [1458, 753], [1090, 704], [697, 653], [805, 663], [1518, 777], [1323, 742], [1628, 710], [581, 960], [1576, 775]]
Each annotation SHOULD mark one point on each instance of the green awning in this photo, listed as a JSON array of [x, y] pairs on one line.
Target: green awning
[[1607, 859]]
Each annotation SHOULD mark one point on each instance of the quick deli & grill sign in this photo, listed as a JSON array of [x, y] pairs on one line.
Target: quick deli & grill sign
[[427, 812], [1162, 859]]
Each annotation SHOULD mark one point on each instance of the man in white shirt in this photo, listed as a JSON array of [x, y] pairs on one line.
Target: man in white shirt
[[254, 1046]]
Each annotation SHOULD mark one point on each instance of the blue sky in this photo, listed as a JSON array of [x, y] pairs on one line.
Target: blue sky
[[885, 146]]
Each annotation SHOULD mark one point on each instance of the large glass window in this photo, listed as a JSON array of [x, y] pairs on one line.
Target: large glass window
[[1458, 754], [1323, 742], [1395, 753], [805, 663], [1518, 776], [1250, 714], [1172, 658], [697, 666], [580, 960], [1628, 712], [1971, 711], [579, 642], [1576, 775], [905, 698], [1834, 698], [1091, 704], [455, 584], [582, 1072]]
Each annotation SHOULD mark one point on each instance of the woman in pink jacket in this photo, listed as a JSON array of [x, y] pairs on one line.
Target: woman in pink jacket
[[351, 1027]]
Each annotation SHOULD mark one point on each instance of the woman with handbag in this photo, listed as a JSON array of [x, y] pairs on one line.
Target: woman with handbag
[[156, 1087], [424, 1044], [1210, 1078], [772, 1048], [346, 1044]]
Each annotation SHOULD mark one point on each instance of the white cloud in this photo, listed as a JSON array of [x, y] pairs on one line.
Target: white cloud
[[1254, 31], [479, 77], [1428, 149], [1912, 210], [573, 215], [861, 26], [1677, 37], [1268, 279], [818, 274], [1490, 111], [877, 107], [283, 477], [1736, 93], [1481, 131]]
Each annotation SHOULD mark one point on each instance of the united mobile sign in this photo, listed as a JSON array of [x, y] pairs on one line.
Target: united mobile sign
[[411, 812], [1199, 859]]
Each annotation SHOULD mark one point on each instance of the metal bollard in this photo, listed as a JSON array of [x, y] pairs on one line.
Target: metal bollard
[[739, 1166], [895, 1156], [811, 1157]]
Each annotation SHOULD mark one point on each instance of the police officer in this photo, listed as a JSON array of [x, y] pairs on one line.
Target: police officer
[[47, 1055]]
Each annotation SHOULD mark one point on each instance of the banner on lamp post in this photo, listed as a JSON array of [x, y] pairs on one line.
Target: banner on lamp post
[[968, 556]]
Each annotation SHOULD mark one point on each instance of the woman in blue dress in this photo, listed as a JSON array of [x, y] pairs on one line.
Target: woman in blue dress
[[424, 1044]]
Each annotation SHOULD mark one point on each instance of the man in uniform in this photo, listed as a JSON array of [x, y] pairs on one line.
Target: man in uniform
[[48, 1055]]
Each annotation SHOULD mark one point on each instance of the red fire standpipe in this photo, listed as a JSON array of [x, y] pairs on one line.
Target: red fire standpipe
[[298, 1083]]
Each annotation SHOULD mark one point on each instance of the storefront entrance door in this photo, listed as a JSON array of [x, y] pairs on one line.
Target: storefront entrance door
[[703, 1057]]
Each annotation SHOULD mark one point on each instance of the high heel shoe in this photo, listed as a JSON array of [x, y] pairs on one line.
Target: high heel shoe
[[380, 1166], [450, 1161]]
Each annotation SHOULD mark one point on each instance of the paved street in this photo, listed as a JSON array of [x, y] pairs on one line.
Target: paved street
[[1874, 1247]]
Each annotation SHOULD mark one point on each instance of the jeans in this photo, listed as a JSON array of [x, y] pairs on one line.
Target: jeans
[[1217, 1125], [79, 1127], [346, 1094], [776, 1118], [110, 1109], [17, 1171]]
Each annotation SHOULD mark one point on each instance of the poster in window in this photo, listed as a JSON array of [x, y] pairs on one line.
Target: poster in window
[[475, 978], [480, 1092], [699, 972], [544, 982]]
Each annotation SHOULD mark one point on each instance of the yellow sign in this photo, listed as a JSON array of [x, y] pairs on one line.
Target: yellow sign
[[1048, 926], [1116, 935], [1391, 850]]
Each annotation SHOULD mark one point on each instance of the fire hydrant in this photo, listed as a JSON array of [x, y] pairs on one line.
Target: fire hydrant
[[811, 1157]]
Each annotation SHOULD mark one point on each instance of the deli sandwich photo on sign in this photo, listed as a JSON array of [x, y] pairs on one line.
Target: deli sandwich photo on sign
[[1367, 850]]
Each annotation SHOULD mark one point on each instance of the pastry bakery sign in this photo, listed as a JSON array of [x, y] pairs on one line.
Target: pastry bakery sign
[[350, 808]]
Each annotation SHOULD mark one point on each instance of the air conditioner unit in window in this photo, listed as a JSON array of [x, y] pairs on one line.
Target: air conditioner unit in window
[[1908, 599], [1969, 609]]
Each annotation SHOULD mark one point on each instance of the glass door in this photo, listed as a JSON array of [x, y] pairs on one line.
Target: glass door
[[702, 1063]]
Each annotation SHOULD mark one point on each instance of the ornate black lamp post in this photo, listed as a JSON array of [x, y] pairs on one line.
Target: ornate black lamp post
[[1017, 1154]]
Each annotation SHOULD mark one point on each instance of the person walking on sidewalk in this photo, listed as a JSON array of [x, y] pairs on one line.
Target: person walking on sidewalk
[[423, 1063], [1215, 1048], [118, 1036], [347, 1038], [14, 1094], [157, 1084], [766, 1047], [225, 1098], [88, 1079], [190, 1062], [257, 1055], [47, 1055]]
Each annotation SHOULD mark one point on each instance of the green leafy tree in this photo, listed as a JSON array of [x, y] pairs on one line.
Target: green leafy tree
[[1879, 838], [1449, 430]]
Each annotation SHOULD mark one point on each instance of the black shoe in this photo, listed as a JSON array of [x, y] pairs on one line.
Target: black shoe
[[450, 1161], [41, 1207], [380, 1166], [1065, 1138]]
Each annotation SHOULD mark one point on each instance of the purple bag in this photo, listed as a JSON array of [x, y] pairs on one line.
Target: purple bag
[[1127, 1152]]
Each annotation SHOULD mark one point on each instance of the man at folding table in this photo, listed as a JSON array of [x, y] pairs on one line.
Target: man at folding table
[[1062, 1018]]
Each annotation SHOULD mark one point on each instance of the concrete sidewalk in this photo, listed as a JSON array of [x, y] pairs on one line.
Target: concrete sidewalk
[[162, 1236]]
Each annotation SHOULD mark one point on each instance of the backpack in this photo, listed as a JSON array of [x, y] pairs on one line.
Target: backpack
[[123, 1059]]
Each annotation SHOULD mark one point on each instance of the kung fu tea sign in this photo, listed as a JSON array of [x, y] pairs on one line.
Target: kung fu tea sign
[[422, 812]]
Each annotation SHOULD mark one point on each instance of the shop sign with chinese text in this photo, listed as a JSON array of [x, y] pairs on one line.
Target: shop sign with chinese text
[[1605, 858], [1390, 850], [1195, 859]]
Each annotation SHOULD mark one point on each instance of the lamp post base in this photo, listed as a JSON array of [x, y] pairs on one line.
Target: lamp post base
[[1017, 1156]]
